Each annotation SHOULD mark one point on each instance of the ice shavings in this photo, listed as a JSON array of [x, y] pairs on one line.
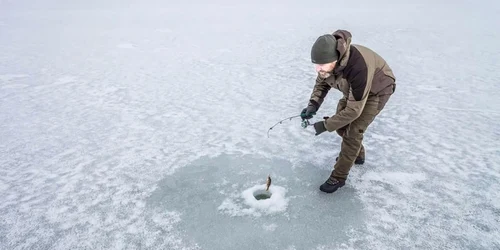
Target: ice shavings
[[276, 203], [245, 203]]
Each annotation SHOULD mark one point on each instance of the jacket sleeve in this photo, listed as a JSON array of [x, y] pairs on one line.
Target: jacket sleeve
[[341, 104], [319, 92], [359, 78]]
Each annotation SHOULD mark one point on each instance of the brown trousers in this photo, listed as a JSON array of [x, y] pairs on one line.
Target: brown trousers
[[352, 136]]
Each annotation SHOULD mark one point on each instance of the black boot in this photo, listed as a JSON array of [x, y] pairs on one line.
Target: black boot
[[358, 161], [331, 185]]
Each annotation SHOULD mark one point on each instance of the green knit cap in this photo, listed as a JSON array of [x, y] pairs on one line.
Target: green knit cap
[[324, 50]]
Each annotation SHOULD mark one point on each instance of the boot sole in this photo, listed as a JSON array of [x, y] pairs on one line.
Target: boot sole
[[328, 191]]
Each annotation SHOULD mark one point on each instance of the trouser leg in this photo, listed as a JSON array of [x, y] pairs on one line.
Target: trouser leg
[[352, 140], [361, 153]]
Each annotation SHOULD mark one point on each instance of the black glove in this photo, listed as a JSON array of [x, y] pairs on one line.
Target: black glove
[[319, 127], [308, 112]]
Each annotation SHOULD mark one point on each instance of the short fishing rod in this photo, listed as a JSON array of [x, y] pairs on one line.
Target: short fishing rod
[[304, 124]]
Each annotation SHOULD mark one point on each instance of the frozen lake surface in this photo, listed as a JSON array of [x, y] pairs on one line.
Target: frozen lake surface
[[143, 125]]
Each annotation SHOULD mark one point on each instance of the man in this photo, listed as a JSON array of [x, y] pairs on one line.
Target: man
[[366, 82]]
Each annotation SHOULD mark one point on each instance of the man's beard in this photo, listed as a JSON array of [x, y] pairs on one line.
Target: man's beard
[[325, 75]]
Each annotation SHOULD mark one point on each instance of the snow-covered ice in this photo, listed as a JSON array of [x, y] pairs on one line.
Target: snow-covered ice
[[143, 125]]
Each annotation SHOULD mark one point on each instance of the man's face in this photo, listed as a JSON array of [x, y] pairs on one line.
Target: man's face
[[325, 70]]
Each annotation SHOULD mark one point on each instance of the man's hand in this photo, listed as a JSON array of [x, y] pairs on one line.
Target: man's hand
[[319, 127], [308, 113], [340, 131]]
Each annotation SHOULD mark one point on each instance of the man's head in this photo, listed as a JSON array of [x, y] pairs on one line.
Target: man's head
[[324, 55]]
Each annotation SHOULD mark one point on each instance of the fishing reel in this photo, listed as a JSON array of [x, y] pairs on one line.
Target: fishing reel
[[305, 123]]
